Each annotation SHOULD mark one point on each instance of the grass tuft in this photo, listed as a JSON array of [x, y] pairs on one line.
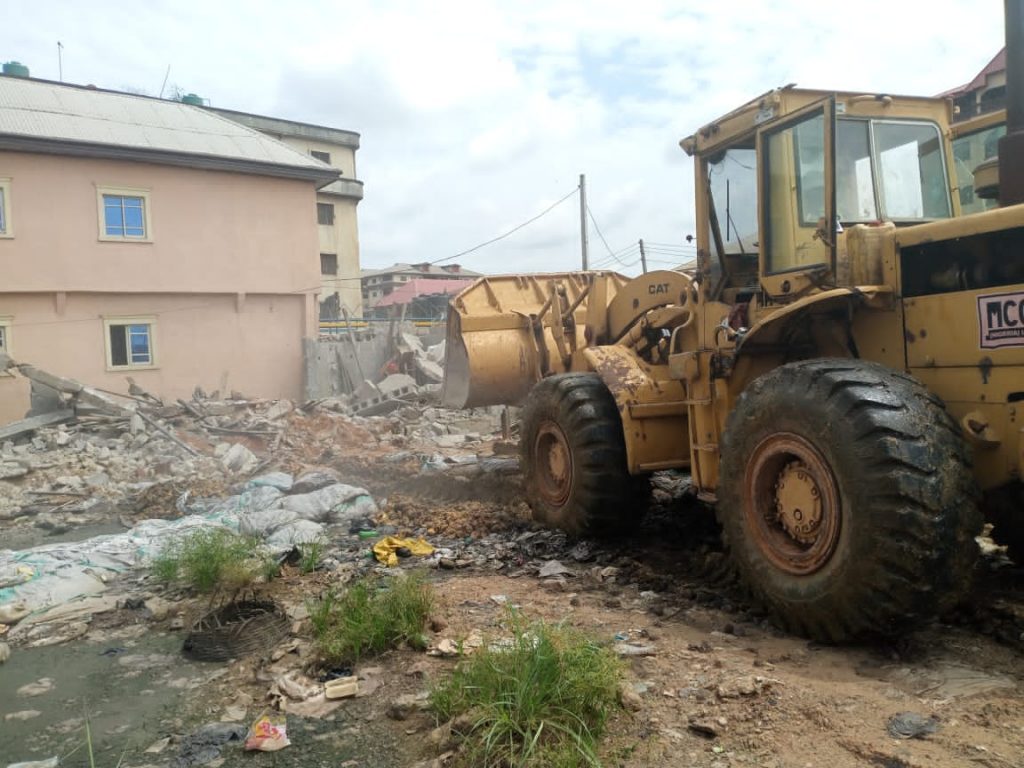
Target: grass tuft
[[310, 555], [542, 700], [212, 559], [371, 616]]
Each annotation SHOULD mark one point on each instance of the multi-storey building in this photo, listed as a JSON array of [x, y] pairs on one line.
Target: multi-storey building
[[378, 283], [335, 204], [153, 239]]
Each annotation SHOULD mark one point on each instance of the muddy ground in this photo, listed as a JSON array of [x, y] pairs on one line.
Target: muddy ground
[[716, 685]]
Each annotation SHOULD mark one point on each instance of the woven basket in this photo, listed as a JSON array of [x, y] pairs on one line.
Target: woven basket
[[237, 629]]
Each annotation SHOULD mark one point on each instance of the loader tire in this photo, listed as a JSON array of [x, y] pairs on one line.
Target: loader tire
[[847, 500], [574, 458]]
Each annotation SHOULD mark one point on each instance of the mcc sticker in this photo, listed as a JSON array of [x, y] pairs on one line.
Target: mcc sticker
[[1001, 320]]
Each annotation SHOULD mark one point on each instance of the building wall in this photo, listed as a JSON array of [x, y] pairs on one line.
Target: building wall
[[210, 340], [341, 239], [212, 231], [230, 276]]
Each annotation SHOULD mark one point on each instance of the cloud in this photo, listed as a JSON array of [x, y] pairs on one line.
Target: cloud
[[475, 116]]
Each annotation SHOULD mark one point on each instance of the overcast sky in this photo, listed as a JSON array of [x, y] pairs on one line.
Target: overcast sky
[[476, 116]]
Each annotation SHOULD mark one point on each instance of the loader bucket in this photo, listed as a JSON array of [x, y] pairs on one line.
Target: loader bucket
[[485, 367], [506, 332]]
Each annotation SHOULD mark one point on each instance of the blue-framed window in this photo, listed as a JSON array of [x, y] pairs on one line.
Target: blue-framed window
[[124, 216], [131, 344]]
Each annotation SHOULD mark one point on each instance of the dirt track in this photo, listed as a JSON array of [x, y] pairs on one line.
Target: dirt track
[[719, 665]]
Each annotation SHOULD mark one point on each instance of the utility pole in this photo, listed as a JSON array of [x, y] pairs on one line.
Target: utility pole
[[60, 60], [583, 219], [643, 256]]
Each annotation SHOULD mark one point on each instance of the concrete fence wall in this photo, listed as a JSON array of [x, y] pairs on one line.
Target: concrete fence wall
[[337, 365]]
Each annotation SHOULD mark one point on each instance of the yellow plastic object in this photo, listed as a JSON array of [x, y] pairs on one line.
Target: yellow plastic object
[[385, 550]]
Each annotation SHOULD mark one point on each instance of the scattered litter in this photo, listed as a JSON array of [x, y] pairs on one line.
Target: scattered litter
[[499, 599], [316, 706], [387, 549], [553, 568], [38, 688], [25, 714], [341, 688], [158, 746], [295, 689], [203, 745], [911, 725], [268, 733], [445, 648], [52, 762], [5, 652], [633, 649]]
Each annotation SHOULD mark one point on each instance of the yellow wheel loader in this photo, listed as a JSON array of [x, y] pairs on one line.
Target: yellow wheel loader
[[842, 375]]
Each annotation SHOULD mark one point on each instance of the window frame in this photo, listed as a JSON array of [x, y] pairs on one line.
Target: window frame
[[6, 217], [319, 154], [876, 170], [6, 321], [792, 281], [143, 193], [332, 217], [113, 320], [329, 256]]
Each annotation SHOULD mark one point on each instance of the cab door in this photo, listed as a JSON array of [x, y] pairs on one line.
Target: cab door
[[796, 201]]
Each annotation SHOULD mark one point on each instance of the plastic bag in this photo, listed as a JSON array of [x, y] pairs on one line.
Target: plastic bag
[[268, 734]]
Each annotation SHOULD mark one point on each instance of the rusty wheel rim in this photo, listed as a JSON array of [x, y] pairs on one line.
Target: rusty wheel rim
[[553, 464], [791, 503]]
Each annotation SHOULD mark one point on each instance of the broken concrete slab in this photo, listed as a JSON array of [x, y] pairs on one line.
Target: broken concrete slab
[[397, 384], [27, 426]]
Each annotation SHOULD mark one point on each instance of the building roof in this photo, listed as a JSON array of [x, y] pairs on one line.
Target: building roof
[[998, 64], [428, 270], [43, 116], [414, 289], [292, 128]]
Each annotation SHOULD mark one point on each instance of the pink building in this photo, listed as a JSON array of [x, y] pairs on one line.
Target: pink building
[[152, 239]]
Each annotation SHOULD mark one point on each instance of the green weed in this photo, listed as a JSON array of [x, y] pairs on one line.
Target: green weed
[[541, 700], [310, 554], [370, 616], [212, 559]]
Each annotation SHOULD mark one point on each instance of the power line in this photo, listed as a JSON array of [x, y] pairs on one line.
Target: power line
[[511, 231], [590, 213], [618, 256]]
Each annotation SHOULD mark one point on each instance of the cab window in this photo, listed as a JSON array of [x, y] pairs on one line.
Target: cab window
[[732, 178], [795, 189], [970, 151], [889, 170]]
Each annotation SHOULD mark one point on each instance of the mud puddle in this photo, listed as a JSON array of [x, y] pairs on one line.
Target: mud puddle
[[129, 690]]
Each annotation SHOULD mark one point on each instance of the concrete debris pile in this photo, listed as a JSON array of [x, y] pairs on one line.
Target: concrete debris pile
[[138, 471]]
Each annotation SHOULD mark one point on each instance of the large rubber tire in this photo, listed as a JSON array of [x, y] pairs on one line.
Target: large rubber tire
[[895, 546], [574, 458]]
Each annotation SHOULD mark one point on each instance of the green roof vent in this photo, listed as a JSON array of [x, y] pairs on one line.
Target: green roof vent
[[15, 69], [193, 99]]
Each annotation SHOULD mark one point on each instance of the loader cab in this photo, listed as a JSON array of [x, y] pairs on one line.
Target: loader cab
[[783, 178]]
